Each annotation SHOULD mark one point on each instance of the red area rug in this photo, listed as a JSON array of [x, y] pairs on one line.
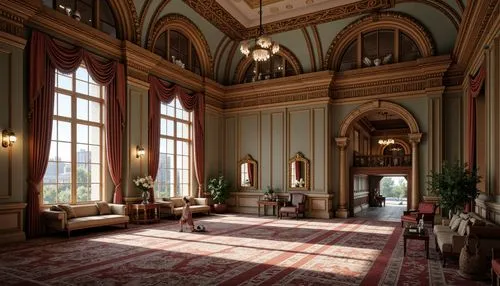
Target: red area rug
[[235, 250]]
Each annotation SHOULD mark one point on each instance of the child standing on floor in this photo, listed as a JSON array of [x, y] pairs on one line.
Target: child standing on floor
[[187, 216]]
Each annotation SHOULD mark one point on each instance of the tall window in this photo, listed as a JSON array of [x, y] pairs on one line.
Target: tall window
[[74, 171], [95, 13], [174, 170], [175, 46]]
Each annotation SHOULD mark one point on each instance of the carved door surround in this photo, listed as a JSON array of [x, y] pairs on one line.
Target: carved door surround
[[342, 142]]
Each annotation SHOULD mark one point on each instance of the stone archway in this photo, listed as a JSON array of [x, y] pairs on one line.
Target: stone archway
[[342, 142]]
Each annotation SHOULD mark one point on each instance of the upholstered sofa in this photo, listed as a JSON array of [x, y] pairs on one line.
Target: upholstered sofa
[[62, 218], [198, 205], [451, 235]]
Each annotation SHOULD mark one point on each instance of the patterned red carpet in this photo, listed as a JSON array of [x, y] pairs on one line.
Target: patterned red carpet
[[235, 250]]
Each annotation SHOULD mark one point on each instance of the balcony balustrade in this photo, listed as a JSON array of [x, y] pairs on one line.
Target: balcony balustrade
[[382, 161]]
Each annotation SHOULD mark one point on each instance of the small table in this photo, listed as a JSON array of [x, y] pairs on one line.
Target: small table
[[145, 213], [275, 204], [412, 233]]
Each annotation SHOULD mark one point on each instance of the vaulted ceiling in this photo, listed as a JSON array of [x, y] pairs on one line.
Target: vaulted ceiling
[[305, 28]]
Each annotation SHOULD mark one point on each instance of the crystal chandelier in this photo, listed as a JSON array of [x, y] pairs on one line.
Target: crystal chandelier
[[264, 47]]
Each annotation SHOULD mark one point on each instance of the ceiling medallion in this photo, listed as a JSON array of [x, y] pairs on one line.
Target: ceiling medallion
[[264, 47]]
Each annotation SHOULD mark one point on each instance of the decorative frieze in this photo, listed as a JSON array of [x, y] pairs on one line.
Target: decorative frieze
[[11, 24]]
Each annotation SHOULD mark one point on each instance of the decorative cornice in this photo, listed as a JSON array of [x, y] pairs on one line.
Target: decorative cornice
[[218, 16], [401, 78], [441, 6], [67, 29], [189, 29], [475, 20], [310, 86], [324, 16], [11, 23], [245, 62], [402, 21]]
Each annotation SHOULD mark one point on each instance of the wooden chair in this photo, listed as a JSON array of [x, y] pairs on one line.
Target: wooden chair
[[427, 210], [295, 204]]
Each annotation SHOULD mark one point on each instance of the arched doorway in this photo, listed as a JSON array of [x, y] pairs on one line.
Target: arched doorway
[[414, 136]]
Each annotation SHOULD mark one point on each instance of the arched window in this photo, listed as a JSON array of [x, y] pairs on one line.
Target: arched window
[[175, 46], [276, 67], [95, 13], [378, 47]]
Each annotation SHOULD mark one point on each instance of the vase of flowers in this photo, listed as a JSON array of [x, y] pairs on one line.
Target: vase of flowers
[[145, 184]]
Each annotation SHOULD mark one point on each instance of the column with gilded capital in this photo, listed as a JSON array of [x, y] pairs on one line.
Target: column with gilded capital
[[415, 192], [342, 211]]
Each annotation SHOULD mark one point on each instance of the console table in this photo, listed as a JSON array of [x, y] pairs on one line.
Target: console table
[[144, 213], [274, 204]]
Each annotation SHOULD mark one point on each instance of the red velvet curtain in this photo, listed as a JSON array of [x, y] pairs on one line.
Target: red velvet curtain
[[45, 57], [160, 91], [475, 84]]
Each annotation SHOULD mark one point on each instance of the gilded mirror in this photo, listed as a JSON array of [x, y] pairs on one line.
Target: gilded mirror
[[298, 172], [248, 173]]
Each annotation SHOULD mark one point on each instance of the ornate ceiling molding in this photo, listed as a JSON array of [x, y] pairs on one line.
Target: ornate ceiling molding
[[404, 22], [336, 13], [245, 63], [155, 17], [312, 58], [218, 16], [443, 7], [319, 48], [471, 35], [135, 19], [144, 10], [224, 21], [187, 27]]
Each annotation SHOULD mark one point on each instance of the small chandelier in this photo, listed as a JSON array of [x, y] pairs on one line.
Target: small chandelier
[[264, 47], [387, 141]]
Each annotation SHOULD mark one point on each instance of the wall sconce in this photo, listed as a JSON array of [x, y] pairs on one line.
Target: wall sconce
[[139, 152], [8, 138]]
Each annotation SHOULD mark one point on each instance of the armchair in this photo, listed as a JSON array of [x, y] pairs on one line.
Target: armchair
[[428, 210], [295, 204]]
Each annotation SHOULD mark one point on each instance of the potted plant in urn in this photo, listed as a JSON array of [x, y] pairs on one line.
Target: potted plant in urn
[[219, 192], [456, 185]]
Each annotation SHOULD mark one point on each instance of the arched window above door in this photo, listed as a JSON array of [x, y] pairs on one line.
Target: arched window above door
[[94, 13], [174, 46], [275, 67]]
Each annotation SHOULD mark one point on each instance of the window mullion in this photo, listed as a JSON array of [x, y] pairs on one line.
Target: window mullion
[[73, 143]]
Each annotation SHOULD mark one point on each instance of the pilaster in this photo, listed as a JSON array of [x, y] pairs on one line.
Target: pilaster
[[342, 210], [415, 184]]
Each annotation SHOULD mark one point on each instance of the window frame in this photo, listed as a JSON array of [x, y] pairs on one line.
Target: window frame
[[74, 122], [191, 48], [175, 138], [359, 47]]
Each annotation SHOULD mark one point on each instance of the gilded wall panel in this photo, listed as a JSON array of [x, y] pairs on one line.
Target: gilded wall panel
[[319, 166], [278, 159]]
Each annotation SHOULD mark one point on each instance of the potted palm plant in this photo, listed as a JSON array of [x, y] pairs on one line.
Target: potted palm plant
[[219, 192], [456, 185]]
